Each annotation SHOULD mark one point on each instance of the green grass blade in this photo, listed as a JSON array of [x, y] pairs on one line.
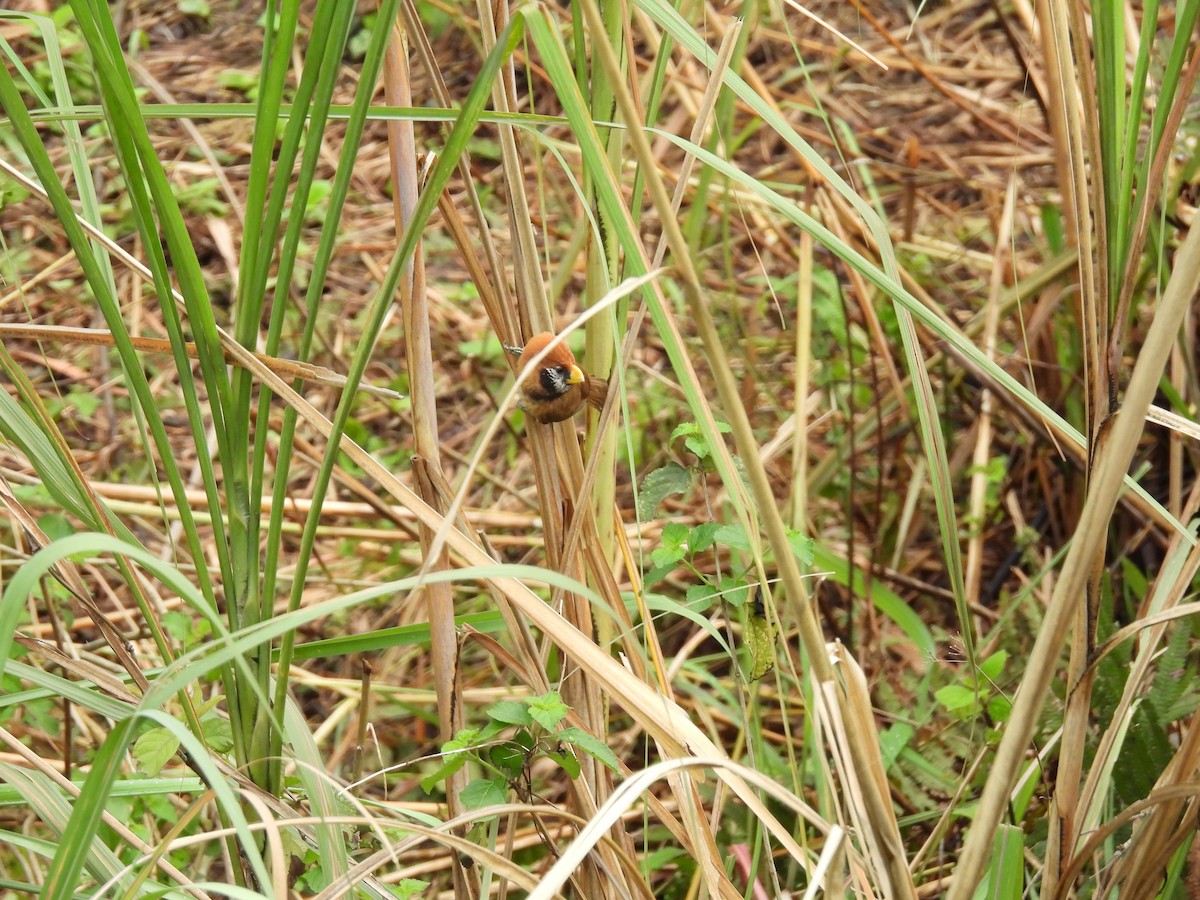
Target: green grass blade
[[80, 167], [956, 340], [388, 638], [456, 145], [44, 797], [75, 848]]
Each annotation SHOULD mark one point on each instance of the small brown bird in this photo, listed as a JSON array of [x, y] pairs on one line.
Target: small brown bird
[[557, 388]]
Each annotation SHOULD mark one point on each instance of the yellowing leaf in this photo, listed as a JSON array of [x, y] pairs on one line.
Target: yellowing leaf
[[760, 638]]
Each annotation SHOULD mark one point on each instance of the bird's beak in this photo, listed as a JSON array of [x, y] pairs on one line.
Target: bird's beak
[[575, 376]]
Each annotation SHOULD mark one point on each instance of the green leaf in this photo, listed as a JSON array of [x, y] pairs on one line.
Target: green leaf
[[408, 887], [658, 573], [509, 758], [660, 859], [733, 536], [1005, 876], [666, 558], [1052, 227], [893, 740], [673, 545], [56, 525], [195, 8], [992, 667], [700, 597], [218, 733], [484, 792], [237, 80], [177, 624], [957, 699], [444, 771], [734, 591], [658, 484], [317, 204], [567, 761], [694, 440], [85, 402], [999, 708], [384, 638], [760, 639], [589, 744], [548, 710], [675, 536], [487, 348], [802, 546], [154, 749], [684, 430], [466, 738], [510, 712], [703, 536]]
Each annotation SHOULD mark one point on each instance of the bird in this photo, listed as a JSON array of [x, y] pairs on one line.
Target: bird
[[557, 388]]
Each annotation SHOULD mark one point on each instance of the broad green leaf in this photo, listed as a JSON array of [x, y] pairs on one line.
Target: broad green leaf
[[218, 733], [957, 699], [484, 792], [154, 749], [734, 591], [802, 546], [548, 710], [993, 667], [658, 485], [509, 758], [567, 761], [511, 712], [452, 764], [733, 536], [700, 597], [703, 536], [589, 744], [408, 887]]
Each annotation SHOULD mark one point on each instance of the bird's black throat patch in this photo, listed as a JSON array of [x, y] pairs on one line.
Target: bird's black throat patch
[[553, 383]]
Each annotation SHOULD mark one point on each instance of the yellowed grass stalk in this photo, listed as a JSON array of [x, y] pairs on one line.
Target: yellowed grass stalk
[[1152, 845], [976, 510], [662, 718], [804, 297], [289, 368], [1073, 92], [896, 878], [427, 469], [558, 467], [1111, 461]]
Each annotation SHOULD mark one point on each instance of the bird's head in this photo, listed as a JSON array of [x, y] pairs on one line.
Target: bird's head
[[557, 371], [557, 379]]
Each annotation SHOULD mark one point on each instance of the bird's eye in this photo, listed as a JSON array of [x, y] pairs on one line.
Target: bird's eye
[[554, 379]]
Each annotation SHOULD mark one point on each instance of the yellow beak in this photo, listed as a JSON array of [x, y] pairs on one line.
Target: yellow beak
[[576, 376]]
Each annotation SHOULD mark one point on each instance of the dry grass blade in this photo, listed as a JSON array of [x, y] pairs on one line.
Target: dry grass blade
[[431, 481], [662, 718], [878, 806], [1111, 462], [629, 791], [71, 789], [287, 368], [983, 435]]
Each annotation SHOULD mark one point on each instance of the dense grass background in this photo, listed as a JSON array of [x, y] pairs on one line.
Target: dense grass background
[[873, 578]]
